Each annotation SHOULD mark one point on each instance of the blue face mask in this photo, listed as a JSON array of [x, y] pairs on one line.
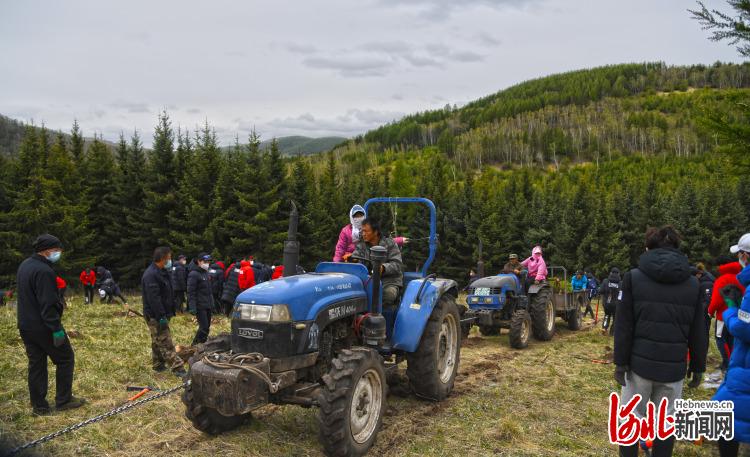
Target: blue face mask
[[168, 265], [55, 256]]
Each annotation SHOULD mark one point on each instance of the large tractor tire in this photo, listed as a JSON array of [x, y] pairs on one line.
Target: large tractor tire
[[208, 420], [543, 314], [575, 317], [432, 368], [520, 329], [489, 330], [352, 402]]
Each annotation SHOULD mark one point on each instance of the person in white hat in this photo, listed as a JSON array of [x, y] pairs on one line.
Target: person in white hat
[[742, 250]]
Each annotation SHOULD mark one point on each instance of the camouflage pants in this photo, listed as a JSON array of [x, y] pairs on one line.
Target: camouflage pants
[[390, 296], [162, 348]]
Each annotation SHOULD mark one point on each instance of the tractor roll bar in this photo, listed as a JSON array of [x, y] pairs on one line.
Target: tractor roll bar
[[433, 222]]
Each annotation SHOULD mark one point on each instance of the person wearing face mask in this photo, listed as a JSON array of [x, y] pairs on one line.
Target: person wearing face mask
[[199, 295], [536, 267], [350, 235], [39, 316], [736, 319], [158, 308], [729, 268]]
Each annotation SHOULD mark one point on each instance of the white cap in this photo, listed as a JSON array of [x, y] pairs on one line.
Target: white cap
[[742, 245]]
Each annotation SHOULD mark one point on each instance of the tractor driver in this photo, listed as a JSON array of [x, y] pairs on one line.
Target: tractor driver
[[392, 269], [513, 265]]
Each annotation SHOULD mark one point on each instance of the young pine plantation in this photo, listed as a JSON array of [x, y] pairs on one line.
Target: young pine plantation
[[547, 400]]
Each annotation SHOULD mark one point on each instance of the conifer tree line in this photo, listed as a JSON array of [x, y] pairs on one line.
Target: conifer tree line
[[112, 205]]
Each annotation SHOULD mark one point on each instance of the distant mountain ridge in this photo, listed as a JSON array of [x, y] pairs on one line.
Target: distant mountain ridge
[[303, 145], [12, 130]]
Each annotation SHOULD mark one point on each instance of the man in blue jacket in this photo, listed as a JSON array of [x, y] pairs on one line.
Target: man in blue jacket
[[158, 308], [736, 386]]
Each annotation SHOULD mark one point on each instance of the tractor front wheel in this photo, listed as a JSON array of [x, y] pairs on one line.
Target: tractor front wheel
[[208, 420], [520, 329], [433, 366], [352, 402], [543, 314]]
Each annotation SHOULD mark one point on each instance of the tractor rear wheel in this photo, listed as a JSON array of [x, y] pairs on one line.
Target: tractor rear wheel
[[543, 314], [520, 329], [489, 330], [208, 420], [433, 366], [352, 402]]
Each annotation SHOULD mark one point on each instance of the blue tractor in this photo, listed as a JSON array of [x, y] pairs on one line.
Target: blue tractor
[[323, 339], [502, 301]]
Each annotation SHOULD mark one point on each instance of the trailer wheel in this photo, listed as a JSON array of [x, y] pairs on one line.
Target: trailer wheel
[[433, 366], [575, 318], [352, 402], [208, 420], [520, 329], [543, 314]]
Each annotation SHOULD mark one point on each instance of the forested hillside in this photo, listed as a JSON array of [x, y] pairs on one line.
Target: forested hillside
[[583, 174]]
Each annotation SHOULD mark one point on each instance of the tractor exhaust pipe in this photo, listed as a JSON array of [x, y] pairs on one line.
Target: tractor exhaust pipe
[[480, 262], [373, 325], [291, 245]]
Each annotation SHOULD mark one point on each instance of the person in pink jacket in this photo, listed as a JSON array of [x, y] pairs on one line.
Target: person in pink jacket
[[536, 266], [349, 235]]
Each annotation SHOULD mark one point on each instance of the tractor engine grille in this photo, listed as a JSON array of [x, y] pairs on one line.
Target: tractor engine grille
[[493, 290]]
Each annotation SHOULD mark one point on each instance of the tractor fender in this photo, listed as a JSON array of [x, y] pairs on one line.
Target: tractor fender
[[535, 288], [413, 313]]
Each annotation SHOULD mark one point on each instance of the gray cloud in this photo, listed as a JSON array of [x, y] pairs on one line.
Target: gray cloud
[[130, 107], [193, 110], [487, 39], [298, 48], [351, 66], [379, 58], [443, 9]]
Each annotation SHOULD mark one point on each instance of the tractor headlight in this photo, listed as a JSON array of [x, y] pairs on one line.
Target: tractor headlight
[[474, 299], [488, 300], [264, 313]]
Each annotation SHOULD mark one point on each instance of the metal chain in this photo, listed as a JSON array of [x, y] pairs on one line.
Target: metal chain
[[93, 420]]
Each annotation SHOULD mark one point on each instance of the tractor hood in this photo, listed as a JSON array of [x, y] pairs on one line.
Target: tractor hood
[[500, 283], [306, 294]]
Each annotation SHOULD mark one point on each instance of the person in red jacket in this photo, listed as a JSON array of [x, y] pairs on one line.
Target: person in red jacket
[[728, 271], [88, 279], [247, 277], [62, 286], [278, 272]]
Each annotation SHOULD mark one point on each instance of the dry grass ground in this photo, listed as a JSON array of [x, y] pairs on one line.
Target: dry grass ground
[[547, 400]]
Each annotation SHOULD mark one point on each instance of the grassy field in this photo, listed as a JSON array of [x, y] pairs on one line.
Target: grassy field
[[547, 400]]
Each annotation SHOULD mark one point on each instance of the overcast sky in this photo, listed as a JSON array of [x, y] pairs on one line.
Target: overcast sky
[[315, 68]]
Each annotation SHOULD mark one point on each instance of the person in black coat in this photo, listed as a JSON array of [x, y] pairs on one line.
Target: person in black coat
[[179, 284], [611, 293], [158, 308], [39, 315], [231, 289], [200, 296], [216, 277], [706, 283], [659, 322]]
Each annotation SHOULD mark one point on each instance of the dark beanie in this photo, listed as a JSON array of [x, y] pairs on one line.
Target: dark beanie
[[46, 241]]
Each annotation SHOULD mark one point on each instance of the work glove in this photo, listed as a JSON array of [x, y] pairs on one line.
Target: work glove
[[732, 296], [58, 338], [620, 371], [163, 324], [695, 379]]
